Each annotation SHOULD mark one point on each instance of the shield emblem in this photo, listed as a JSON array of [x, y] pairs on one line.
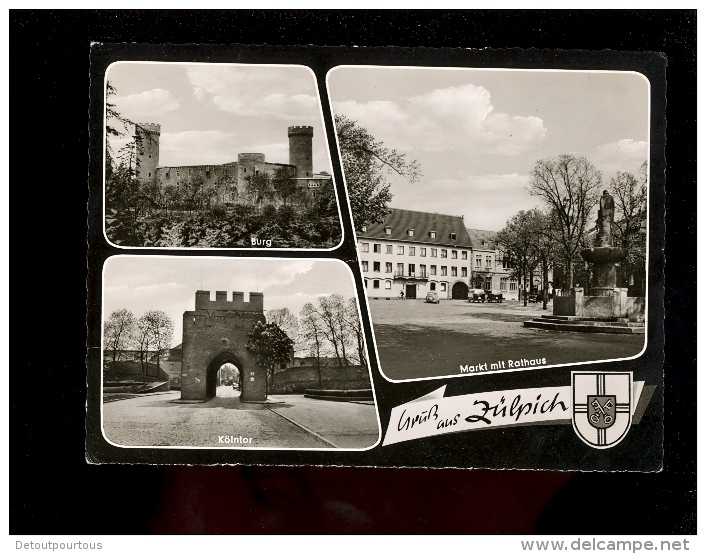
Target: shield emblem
[[602, 407]]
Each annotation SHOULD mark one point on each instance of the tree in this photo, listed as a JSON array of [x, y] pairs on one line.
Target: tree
[[259, 186], [156, 329], [570, 187], [119, 331], [284, 184], [544, 246], [271, 346], [311, 333], [517, 241], [332, 311], [366, 163], [630, 229], [285, 320], [353, 319]]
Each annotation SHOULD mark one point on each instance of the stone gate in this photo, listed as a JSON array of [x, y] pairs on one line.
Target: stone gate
[[215, 333]]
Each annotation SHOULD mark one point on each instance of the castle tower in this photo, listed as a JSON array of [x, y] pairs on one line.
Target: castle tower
[[300, 138], [147, 155]]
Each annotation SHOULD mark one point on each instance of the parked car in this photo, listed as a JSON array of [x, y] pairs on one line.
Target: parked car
[[476, 295], [432, 297], [494, 296]]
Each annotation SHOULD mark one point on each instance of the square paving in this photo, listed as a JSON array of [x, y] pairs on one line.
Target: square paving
[[417, 340]]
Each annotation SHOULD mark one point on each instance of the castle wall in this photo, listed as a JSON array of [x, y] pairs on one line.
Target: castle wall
[[296, 380]]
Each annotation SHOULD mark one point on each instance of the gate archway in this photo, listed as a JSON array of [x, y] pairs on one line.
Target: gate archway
[[215, 333], [459, 291]]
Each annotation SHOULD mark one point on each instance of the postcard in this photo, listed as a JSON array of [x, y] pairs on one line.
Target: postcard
[[376, 257]]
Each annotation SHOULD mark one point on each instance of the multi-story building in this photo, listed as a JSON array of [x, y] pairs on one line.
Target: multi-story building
[[490, 270], [411, 253]]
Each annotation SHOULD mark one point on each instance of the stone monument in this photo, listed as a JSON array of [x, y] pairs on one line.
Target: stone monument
[[603, 255], [606, 308]]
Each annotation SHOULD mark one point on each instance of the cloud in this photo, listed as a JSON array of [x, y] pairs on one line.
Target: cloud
[[453, 118], [623, 155], [257, 91], [146, 104]]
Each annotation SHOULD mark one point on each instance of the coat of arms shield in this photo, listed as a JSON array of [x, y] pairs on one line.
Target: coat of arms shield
[[602, 407]]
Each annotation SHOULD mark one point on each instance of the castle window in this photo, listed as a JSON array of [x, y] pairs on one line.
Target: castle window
[[245, 170], [452, 236], [167, 174], [149, 174], [149, 156]]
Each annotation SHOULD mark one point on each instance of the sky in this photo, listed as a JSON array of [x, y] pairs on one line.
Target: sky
[[210, 113], [477, 134], [169, 284]]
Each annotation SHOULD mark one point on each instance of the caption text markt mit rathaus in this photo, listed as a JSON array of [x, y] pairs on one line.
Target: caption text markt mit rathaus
[[502, 364]]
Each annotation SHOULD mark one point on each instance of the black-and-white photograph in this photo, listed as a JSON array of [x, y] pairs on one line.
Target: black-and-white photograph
[[217, 156], [501, 215], [234, 353]]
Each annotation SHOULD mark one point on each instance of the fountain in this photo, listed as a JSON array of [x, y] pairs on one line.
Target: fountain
[[606, 308]]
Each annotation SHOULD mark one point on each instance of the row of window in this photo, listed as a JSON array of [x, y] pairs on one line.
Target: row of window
[[388, 285], [412, 250], [410, 232], [412, 269]]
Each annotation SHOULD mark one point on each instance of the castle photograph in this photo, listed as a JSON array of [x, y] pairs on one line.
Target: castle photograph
[[217, 156], [500, 215], [234, 353]]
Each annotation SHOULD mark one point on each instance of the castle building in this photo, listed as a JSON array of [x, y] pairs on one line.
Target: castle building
[[414, 253], [228, 183]]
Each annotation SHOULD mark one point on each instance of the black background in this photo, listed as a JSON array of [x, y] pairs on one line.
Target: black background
[[49, 84]]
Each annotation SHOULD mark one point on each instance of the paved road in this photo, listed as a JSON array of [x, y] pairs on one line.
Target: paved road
[[154, 420], [417, 340]]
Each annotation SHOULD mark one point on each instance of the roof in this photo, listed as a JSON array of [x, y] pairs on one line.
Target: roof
[[483, 239], [175, 354], [423, 223]]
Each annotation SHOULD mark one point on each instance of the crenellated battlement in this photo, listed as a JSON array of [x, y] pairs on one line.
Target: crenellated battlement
[[251, 157], [300, 130], [148, 127], [236, 302]]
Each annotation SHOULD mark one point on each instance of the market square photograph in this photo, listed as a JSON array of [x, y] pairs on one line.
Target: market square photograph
[[501, 216]]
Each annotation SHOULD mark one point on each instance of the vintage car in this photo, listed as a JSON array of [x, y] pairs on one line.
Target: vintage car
[[494, 296], [432, 297], [476, 295]]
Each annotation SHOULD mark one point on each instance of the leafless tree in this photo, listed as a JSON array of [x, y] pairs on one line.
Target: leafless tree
[[119, 331], [286, 320], [630, 229], [356, 329], [570, 187], [311, 333]]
